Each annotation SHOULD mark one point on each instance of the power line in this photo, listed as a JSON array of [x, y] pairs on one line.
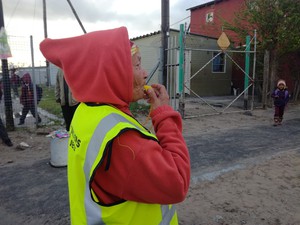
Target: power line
[[180, 21], [13, 13]]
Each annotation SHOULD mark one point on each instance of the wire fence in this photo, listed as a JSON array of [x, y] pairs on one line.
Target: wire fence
[[207, 92], [12, 80]]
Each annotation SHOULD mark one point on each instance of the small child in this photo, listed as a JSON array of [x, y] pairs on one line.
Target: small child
[[281, 98]]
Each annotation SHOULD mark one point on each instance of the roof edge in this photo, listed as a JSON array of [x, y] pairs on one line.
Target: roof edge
[[174, 30], [204, 5]]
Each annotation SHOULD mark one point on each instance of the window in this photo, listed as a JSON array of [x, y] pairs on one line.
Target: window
[[209, 17], [219, 62]]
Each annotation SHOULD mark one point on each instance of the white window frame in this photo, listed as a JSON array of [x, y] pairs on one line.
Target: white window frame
[[209, 17], [220, 64]]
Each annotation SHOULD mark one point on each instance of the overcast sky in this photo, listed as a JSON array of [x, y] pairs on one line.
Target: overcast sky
[[25, 17]]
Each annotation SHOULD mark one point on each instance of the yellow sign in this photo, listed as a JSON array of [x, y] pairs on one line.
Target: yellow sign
[[223, 41]]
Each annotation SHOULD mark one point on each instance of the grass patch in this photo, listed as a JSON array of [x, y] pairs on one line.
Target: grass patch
[[48, 102], [139, 108]]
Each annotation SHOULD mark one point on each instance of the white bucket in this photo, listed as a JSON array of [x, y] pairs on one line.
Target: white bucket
[[59, 152]]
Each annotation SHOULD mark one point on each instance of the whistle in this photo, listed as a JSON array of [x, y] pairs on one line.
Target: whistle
[[147, 87]]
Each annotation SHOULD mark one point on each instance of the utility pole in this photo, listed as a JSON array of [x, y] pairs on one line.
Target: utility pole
[[6, 85], [165, 30], [45, 36], [46, 33]]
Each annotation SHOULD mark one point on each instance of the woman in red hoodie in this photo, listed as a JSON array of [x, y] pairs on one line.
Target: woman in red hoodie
[[119, 172]]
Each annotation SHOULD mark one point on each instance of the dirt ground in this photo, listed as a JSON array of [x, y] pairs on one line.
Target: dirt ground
[[264, 192], [267, 193]]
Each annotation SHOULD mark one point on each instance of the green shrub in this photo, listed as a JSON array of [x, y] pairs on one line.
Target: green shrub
[[139, 109]]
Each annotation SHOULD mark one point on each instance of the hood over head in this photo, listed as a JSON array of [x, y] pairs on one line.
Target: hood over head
[[281, 82], [26, 78], [97, 66]]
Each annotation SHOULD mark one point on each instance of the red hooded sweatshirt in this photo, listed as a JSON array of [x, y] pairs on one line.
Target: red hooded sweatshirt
[[26, 97], [98, 69]]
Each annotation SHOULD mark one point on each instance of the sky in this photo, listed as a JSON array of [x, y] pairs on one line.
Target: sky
[[24, 18]]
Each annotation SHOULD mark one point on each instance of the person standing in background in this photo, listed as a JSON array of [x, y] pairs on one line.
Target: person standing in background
[[281, 98], [15, 82], [63, 95], [27, 99]]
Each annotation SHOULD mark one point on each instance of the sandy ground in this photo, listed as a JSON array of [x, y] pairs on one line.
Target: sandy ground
[[265, 192]]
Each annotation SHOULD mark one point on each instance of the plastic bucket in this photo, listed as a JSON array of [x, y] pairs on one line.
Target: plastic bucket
[[59, 152]]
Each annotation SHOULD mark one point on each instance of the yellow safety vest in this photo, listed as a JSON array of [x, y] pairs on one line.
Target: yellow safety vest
[[92, 129]]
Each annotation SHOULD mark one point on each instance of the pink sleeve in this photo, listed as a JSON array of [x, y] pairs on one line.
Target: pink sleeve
[[161, 172]]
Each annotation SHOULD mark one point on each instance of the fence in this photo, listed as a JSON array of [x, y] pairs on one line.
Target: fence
[[23, 61], [192, 104]]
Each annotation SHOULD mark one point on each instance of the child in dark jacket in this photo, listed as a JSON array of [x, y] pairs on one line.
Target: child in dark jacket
[[27, 99], [281, 98]]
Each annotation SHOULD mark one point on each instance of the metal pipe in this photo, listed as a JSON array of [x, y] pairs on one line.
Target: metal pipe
[[74, 12]]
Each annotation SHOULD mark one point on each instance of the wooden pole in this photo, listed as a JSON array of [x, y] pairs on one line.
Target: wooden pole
[[165, 29], [45, 36], [266, 79], [6, 85]]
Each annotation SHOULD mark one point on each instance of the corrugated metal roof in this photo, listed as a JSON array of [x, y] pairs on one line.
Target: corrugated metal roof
[[158, 32], [145, 35]]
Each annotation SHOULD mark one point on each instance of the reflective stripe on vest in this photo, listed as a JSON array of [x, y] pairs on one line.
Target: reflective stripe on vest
[[106, 124], [92, 210], [167, 214]]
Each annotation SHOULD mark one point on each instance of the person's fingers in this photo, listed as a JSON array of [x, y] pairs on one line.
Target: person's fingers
[[157, 95], [157, 89], [151, 93]]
